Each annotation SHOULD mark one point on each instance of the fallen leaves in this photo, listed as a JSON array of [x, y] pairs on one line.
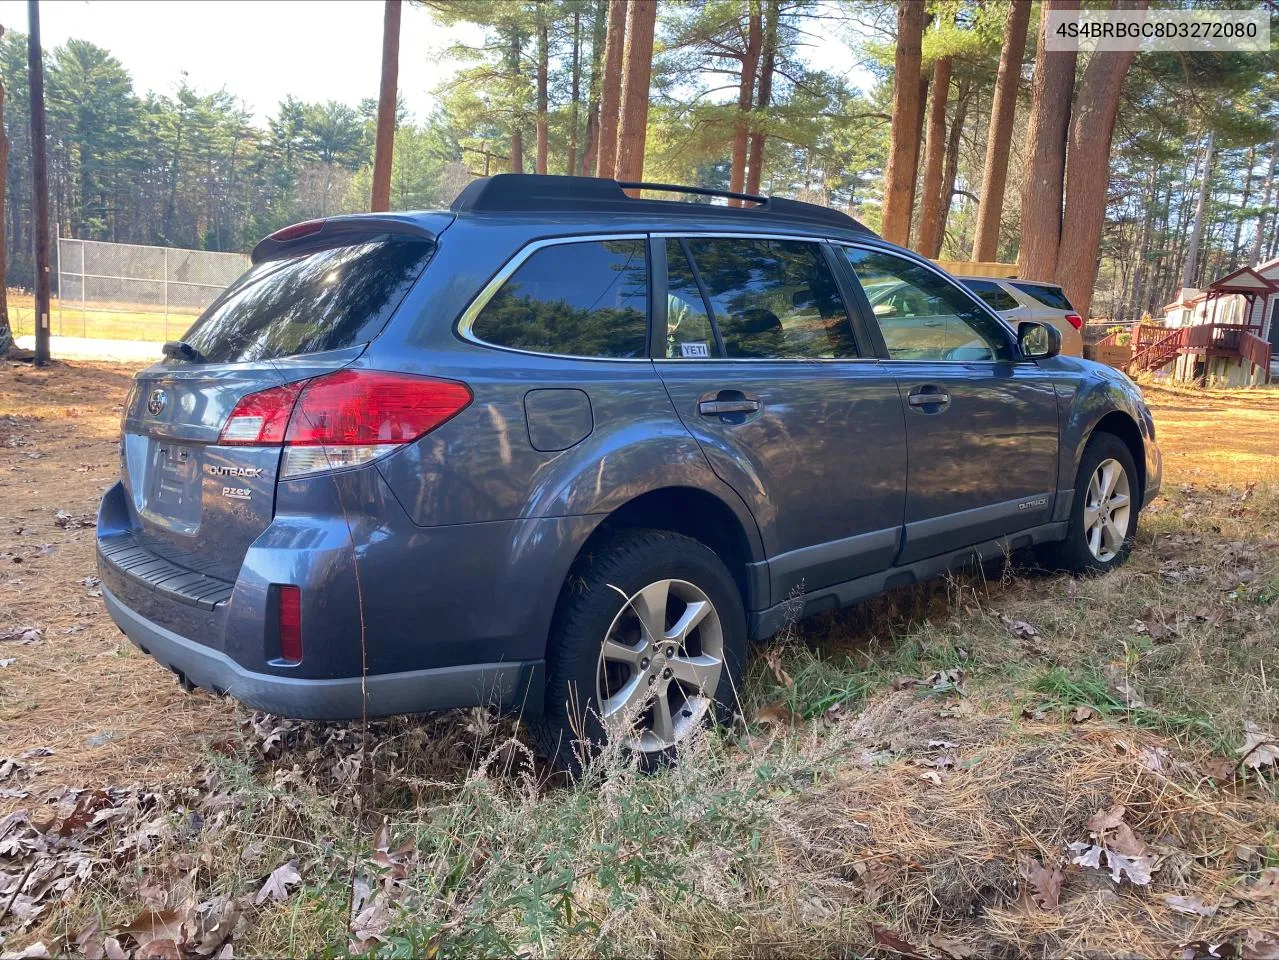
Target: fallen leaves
[[1044, 884], [21, 635], [277, 884], [1117, 679], [1260, 749], [70, 521], [1125, 853], [773, 658], [1192, 905], [1020, 629], [374, 904], [1266, 889]]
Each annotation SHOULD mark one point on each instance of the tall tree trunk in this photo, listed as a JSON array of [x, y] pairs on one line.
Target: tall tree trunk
[[930, 207], [1044, 183], [919, 140], [1185, 205], [1190, 268], [543, 81], [745, 96], [1254, 256], [637, 72], [517, 131], [903, 147], [764, 96], [590, 155], [1133, 308], [1092, 124], [994, 176], [953, 142], [611, 92], [1243, 205], [6, 332], [575, 92], [384, 146]]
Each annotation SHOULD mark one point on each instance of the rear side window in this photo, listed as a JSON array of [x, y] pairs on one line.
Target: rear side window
[[323, 300], [1048, 296], [773, 299], [582, 299], [688, 326], [995, 296]]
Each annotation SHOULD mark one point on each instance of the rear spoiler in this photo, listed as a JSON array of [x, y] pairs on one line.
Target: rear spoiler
[[334, 230]]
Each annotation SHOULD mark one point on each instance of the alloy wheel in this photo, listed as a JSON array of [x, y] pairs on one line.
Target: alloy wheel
[[660, 665], [1107, 510]]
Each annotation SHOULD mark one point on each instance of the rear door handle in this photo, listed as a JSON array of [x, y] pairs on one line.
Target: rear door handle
[[716, 408]]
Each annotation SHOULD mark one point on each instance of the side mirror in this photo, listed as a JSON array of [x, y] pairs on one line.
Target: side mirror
[[1038, 341]]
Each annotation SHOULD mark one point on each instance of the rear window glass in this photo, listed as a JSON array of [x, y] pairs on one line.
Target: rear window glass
[[582, 299], [995, 296], [1048, 296], [323, 300]]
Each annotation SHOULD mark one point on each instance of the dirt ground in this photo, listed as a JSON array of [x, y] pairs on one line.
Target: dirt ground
[[81, 708]]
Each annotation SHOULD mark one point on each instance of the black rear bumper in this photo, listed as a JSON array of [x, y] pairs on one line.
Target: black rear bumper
[[516, 686]]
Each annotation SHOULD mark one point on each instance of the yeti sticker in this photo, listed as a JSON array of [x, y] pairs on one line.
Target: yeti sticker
[[694, 351]]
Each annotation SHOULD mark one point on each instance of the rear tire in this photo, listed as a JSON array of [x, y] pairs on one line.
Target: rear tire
[[1103, 516], [608, 674]]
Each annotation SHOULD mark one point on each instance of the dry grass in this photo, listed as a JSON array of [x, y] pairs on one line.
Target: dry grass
[[59, 430], [914, 751], [101, 321]]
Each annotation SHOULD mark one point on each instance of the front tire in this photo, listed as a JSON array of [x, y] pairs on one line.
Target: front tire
[[1103, 516], [647, 646]]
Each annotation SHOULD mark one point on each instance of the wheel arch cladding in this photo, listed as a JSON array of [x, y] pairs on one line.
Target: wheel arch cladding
[[694, 513], [1121, 425]]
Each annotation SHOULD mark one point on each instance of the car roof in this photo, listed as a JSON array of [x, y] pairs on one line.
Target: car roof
[[560, 206]]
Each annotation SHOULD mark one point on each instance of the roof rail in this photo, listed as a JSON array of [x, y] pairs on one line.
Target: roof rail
[[538, 193]]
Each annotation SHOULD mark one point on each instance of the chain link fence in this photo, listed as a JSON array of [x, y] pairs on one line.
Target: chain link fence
[[126, 291]]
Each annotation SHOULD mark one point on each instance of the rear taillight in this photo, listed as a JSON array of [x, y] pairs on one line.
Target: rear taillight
[[290, 625], [260, 419], [344, 419], [1075, 320]]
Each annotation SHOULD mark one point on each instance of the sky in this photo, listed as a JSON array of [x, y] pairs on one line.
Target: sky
[[261, 51]]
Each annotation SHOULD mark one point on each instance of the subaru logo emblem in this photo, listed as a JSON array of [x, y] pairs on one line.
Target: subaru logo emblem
[[157, 402]]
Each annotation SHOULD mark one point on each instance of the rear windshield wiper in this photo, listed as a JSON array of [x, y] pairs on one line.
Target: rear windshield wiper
[[181, 350]]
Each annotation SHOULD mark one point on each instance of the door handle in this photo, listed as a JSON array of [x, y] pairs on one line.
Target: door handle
[[716, 408], [928, 397]]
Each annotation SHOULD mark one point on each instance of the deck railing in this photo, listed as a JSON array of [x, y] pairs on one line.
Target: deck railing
[[1255, 350]]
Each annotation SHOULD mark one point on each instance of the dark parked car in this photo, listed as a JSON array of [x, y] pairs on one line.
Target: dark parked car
[[567, 450]]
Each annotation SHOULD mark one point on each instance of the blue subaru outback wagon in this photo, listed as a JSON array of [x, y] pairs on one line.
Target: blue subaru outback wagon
[[565, 448]]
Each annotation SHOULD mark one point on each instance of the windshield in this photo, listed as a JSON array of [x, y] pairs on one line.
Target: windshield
[[323, 300]]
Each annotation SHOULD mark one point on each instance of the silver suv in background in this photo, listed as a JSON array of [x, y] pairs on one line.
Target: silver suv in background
[[1019, 300]]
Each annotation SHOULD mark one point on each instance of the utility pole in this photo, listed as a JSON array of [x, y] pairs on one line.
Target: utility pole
[[40, 181]]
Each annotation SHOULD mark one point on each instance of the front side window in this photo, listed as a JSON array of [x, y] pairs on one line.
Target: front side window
[[582, 299], [992, 294], [773, 299], [923, 316]]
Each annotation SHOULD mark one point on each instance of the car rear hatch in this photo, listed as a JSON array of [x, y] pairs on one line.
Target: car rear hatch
[[202, 431]]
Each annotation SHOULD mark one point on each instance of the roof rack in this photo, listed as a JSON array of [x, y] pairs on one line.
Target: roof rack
[[540, 193]]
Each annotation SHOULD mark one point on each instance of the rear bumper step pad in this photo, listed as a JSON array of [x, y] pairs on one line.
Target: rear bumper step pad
[[124, 553]]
